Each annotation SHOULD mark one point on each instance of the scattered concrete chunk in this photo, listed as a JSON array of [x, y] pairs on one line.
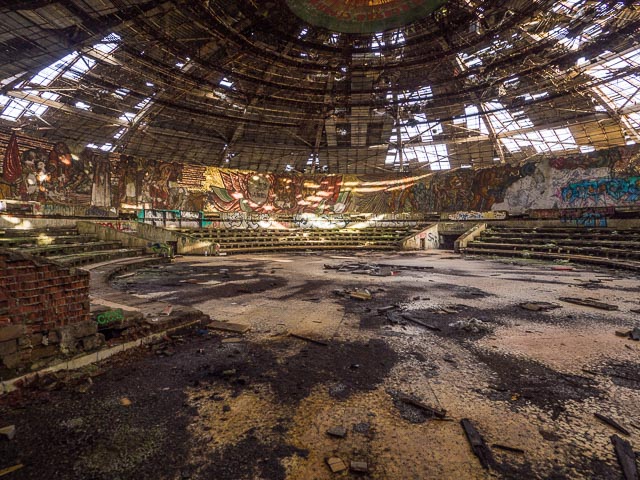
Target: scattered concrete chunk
[[336, 464], [337, 431], [360, 295], [8, 432], [589, 302], [473, 325], [359, 467], [232, 340]]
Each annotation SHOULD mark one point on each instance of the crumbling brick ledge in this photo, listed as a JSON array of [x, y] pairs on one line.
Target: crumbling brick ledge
[[8, 386], [30, 342]]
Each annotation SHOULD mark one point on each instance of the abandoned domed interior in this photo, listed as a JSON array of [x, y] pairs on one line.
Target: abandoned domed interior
[[319, 239]]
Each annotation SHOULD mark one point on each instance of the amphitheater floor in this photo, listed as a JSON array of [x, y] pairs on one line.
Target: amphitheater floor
[[212, 405]]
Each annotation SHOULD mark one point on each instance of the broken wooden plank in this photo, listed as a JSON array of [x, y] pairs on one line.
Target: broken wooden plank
[[419, 322], [434, 412], [228, 327], [626, 457], [6, 471], [589, 302], [387, 308], [308, 339], [612, 423], [539, 306], [478, 445], [507, 448]]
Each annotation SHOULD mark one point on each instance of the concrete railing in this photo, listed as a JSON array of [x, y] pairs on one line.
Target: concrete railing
[[426, 239], [109, 234], [470, 235]]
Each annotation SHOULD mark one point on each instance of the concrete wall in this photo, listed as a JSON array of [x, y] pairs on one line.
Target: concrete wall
[[427, 239], [107, 233]]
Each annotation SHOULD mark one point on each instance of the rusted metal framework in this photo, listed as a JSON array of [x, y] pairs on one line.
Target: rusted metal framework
[[247, 84]]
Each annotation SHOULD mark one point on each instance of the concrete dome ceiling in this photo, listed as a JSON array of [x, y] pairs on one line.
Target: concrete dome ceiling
[[362, 16], [251, 85]]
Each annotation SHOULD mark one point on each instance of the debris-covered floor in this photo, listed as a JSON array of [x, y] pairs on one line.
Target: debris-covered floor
[[364, 365]]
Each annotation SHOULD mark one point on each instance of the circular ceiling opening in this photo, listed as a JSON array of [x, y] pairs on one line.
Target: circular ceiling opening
[[362, 16]]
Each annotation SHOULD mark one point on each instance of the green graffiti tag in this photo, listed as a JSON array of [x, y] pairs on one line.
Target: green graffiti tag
[[105, 318]]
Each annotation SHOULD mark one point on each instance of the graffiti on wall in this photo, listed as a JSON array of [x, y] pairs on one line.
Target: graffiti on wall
[[601, 192], [587, 217], [110, 316], [463, 216], [597, 159]]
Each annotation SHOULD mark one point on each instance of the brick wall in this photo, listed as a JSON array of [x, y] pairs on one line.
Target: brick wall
[[44, 310]]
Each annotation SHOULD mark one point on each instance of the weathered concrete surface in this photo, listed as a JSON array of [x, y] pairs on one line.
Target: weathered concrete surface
[[531, 380]]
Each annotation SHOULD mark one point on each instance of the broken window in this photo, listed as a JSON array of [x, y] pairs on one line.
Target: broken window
[[543, 141], [504, 121], [72, 66], [417, 137]]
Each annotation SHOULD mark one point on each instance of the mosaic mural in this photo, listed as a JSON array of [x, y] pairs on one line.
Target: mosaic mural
[[362, 16], [96, 183]]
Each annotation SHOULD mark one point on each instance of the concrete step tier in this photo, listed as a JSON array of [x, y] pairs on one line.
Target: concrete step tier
[[592, 250], [43, 240], [73, 248], [248, 240], [619, 248], [288, 247], [35, 232], [87, 258], [617, 235], [64, 245], [624, 241], [587, 259], [263, 232]]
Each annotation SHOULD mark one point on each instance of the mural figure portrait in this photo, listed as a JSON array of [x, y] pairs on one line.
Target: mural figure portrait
[[159, 191], [258, 190], [60, 160], [101, 191], [32, 185]]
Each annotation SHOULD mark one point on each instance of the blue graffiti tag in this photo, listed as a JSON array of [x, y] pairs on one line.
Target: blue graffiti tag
[[604, 191]]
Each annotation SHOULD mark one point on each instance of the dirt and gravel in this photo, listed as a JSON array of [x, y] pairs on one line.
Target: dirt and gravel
[[205, 404]]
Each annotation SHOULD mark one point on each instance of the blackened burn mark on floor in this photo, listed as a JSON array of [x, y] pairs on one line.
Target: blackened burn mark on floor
[[186, 284], [345, 368], [250, 458], [521, 382], [622, 373]]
